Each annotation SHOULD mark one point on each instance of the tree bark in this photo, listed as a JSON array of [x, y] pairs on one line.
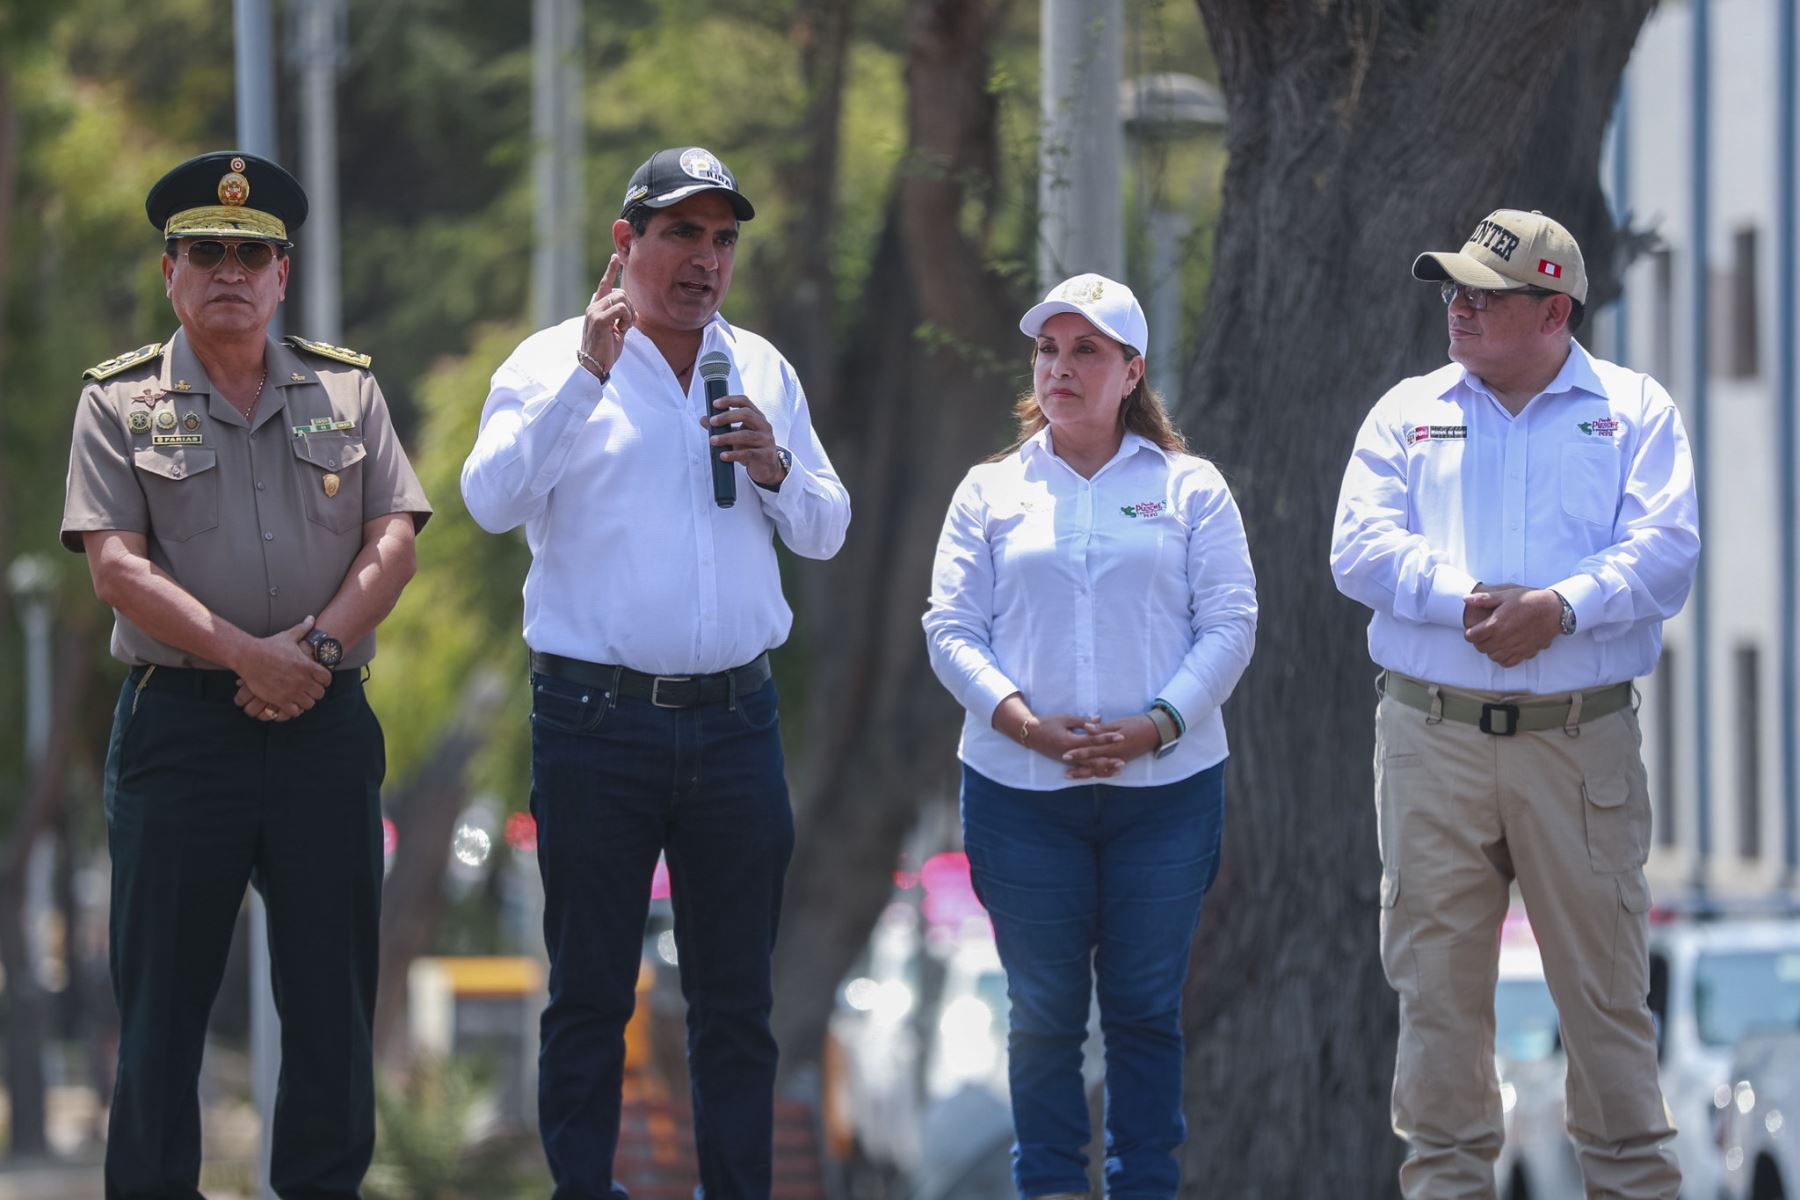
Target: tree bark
[[1361, 132], [424, 813], [879, 726]]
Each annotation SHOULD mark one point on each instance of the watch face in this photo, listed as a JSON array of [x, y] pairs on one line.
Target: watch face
[[327, 650]]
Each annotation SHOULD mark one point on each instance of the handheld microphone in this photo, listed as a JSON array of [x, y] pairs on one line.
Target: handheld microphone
[[715, 368]]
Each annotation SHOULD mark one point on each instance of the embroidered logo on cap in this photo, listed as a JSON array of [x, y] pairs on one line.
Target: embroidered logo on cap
[[701, 164], [1082, 291]]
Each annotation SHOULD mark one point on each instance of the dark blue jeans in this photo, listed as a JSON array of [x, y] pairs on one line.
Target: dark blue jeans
[[1095, 885], [615, 782]]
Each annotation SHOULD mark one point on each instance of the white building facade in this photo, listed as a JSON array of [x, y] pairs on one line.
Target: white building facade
[[1700, 155]]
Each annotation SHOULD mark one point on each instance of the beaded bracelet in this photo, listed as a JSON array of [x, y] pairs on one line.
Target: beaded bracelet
[[1174, 714]]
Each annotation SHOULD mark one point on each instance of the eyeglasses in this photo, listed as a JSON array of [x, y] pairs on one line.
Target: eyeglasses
[[252, 256], [1478, 297]]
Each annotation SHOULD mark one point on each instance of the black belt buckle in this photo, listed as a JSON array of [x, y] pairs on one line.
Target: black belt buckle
[[688, 700], [1509, 711]]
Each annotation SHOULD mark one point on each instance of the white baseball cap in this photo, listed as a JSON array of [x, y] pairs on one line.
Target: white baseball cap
[[1107, 304]]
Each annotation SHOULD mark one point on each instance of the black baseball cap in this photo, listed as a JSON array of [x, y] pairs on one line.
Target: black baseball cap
[[671, 176], [227, 194]]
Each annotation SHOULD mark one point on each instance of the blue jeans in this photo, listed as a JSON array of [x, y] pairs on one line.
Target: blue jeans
[[1090, 885], [614, 782]]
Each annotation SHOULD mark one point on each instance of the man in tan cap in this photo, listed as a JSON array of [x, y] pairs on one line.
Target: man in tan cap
[[248, 513], [1521, 521]]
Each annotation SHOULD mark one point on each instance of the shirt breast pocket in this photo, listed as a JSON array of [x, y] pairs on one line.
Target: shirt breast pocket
[[1590, 482], [181, 489], [331, 479]]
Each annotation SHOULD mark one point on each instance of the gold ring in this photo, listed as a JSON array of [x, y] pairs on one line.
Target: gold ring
[[269, 711]]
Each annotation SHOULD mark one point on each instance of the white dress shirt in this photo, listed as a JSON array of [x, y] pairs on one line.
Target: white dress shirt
[[1092, 597], [631, 561], [1589, 491]]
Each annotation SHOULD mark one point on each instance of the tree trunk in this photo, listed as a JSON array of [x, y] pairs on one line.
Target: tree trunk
[[27, 1009], [806, 316], [1361, 132], [424, 812], [879, 726]]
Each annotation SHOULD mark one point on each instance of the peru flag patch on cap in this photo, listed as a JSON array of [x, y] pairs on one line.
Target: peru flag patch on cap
[[1552, 269]]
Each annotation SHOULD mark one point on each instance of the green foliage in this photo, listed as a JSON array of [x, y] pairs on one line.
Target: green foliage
[[427, 1146]]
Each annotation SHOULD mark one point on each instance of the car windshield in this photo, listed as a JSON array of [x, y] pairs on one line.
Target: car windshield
[[1745, 990], [1524, 1020]]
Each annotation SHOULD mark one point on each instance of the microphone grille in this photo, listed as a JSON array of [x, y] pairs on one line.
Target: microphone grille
[[715, 366]]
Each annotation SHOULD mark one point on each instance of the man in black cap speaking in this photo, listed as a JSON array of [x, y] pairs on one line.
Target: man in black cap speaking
[[653, 600], [248, 513]]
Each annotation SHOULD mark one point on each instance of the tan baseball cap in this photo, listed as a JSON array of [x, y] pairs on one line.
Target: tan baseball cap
[[1511, 249]]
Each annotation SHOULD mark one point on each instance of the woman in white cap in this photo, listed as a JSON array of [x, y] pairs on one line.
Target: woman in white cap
[[1092, 606]]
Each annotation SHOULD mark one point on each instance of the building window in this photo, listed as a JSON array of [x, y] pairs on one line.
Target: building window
[[1744, 323], [1665, 741], [1748, 735]]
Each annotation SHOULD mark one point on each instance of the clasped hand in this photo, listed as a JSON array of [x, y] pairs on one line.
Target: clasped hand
[[278, 678], [1509, 622], [1089, 747]]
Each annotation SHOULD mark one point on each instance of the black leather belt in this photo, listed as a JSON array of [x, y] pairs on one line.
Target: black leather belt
[[222, 685], [664, 691]]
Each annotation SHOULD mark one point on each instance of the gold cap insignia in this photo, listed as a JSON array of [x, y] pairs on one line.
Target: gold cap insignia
[[191, 421], [234, 189], [165, 419], [331, 485], [139, 420]]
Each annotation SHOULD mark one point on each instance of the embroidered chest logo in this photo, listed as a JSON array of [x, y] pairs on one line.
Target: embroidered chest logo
[[1605, 427], [1436, 433], [1148, 508]]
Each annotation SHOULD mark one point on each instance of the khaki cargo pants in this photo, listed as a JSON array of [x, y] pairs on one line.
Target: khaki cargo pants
[[1461, 815]]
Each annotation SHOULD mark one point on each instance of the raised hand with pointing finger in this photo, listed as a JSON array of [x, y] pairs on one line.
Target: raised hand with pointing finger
[[609, 316]]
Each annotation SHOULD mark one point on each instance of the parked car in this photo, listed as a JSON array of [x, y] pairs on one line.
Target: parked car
[[1528, 1059], [1759, 1124], [1715, 976]]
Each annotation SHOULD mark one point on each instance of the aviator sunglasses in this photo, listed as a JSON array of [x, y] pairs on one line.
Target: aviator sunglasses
[[252, 256]]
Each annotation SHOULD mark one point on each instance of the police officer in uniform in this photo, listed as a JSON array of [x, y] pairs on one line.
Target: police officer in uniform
[[249, 514]]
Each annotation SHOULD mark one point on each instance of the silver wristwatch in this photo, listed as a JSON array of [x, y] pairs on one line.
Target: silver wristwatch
[[1568, 614]]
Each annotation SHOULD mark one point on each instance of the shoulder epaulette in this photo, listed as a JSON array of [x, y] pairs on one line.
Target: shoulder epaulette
[[131, 358], [340, 353]]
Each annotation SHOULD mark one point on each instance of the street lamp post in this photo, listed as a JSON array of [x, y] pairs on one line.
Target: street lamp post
[[1157, 110]]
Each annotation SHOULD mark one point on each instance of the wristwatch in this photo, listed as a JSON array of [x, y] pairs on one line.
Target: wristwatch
[[327, 651], [1568, 613], [785, 457]]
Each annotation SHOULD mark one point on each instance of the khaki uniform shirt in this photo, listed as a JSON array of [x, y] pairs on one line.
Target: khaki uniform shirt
[[258, 519]]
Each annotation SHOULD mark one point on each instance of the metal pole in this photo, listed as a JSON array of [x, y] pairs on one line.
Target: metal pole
[[318, 54], [1168, 231], [1081, 151], [559, 256], [1621, 208], [1699, 179], [255, 60], [1785, 159]]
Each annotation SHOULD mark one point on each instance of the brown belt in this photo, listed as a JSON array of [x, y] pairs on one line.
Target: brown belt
[[1504, 718]]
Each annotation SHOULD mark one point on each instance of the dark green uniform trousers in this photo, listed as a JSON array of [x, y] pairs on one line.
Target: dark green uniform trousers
[[201, 800]]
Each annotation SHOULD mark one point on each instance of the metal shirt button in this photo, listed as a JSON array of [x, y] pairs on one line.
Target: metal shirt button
[[267, 536], [272, 591], [332, 462]]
